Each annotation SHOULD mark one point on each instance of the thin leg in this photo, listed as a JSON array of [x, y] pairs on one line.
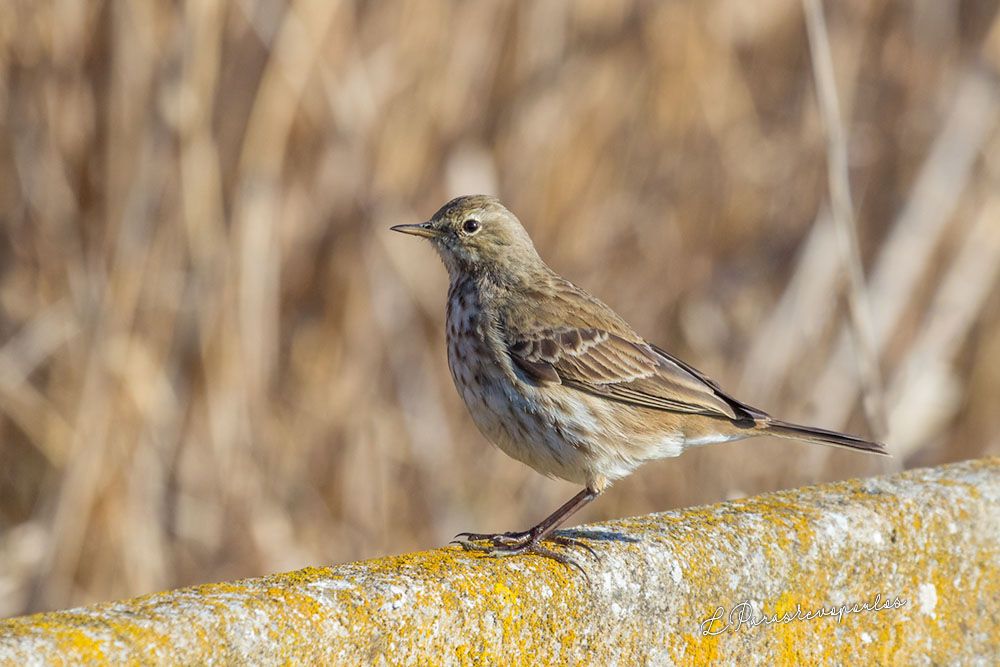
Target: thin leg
[[529, 541]]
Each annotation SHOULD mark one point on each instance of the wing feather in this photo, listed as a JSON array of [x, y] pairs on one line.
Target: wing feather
[[605, 364]]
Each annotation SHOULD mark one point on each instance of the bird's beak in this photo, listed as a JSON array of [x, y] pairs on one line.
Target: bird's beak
[[424, 229]]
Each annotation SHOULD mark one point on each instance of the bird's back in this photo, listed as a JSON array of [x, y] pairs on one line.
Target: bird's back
[[566, 335]]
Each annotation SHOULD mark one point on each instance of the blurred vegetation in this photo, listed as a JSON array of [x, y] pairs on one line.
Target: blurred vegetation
[[216, 362]]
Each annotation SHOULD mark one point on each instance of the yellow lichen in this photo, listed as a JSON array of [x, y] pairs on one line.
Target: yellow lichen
[[785, 550]]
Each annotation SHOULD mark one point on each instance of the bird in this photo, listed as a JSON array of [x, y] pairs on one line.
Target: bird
[[559, 381]]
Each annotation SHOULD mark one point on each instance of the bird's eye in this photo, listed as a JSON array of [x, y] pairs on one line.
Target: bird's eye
[[470, 226]]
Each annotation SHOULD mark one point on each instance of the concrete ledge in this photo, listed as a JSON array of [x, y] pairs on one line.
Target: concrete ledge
[[914, 559]]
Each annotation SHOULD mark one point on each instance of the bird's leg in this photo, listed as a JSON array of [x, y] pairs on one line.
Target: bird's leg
[[519, 542], [538, 532]]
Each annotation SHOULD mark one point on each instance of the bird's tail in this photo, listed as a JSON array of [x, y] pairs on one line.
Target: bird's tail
[[821, 436]]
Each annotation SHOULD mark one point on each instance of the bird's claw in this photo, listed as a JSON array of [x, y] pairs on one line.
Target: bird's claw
[[498, 545], [497, 539], [573, 542]]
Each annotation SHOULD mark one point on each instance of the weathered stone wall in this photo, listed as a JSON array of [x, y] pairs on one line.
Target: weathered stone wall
[[921, 546]]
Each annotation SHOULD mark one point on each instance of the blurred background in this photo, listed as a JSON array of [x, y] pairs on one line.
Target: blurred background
[[216, 362]]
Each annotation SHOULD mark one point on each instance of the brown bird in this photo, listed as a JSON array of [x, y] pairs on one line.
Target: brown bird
[[559, 381]]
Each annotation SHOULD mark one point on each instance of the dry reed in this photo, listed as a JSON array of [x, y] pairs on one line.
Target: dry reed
[[215, 361]]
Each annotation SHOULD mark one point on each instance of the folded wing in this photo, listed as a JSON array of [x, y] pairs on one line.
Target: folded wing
[[605, 364]]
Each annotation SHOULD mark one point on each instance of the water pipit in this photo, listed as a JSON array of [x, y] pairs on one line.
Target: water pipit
[[559, 381]]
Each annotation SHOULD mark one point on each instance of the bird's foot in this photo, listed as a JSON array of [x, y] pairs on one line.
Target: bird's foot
[[514, 543], [509, 538]]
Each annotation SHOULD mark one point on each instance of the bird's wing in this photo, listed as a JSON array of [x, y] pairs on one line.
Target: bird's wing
[[606, 364]]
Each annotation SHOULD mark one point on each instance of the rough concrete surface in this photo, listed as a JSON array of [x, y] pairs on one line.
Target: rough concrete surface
[[921, 549]]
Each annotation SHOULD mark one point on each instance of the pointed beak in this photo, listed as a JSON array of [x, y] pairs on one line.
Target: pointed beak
[[424, 229]]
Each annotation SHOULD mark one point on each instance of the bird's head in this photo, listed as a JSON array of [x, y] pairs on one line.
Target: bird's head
[[477, 235]]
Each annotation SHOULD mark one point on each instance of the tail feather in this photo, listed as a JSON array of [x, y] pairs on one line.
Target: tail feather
[[822, 436]]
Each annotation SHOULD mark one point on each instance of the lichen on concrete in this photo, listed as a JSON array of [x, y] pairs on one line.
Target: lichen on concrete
[[925, 542]]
